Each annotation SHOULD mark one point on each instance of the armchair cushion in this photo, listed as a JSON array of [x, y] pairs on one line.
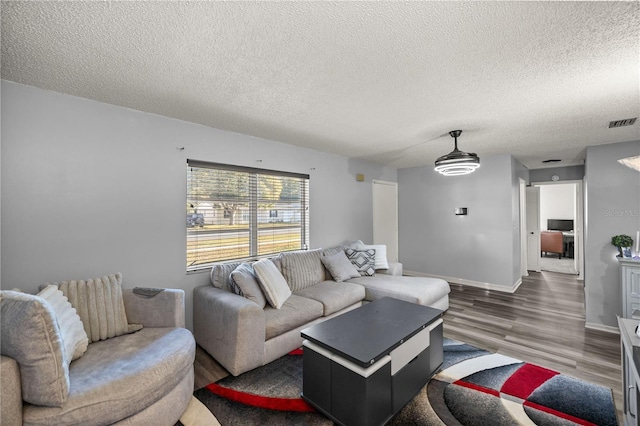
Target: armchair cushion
[[117, 378], [31, 336]]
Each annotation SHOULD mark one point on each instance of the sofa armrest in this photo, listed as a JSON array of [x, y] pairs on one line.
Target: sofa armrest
[[395, 268], [230, 328], [11, 392], [165, 309]]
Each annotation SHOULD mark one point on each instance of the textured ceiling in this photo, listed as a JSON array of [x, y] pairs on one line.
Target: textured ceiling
[[382, 81]]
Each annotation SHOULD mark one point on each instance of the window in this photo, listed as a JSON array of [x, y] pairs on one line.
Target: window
[[237, 205]]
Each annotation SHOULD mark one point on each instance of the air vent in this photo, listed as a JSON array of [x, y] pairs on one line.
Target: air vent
[[553, 160], [622, 123]]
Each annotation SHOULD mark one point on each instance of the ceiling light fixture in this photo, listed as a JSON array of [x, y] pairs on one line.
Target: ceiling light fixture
[[631, 162], [457, 162]]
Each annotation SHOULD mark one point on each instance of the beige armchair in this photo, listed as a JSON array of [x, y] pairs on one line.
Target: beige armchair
[[141, 378]]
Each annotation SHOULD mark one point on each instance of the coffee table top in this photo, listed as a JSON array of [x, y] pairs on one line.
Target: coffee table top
[[366, 334]]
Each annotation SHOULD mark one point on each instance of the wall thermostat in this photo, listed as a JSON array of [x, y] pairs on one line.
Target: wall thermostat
[[461, 211]]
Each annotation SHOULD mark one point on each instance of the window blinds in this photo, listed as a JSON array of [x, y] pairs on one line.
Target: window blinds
[[239, 213]]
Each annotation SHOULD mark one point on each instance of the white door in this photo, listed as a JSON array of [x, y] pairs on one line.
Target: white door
[[385, 217], [533, 228]]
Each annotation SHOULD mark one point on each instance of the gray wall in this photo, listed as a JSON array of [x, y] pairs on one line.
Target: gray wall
[[612, 208], [564, 173], [479, 247], [90, 189]]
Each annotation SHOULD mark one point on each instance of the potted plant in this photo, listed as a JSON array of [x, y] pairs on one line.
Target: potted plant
[[622, 242]]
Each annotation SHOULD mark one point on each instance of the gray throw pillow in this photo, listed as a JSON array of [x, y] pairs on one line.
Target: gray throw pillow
[[302, 268], [340, 267], [364, 260], [245, 284], [31, 336]]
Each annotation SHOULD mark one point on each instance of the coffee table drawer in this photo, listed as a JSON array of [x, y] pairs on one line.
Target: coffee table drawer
[[410, 349], [406, 383]]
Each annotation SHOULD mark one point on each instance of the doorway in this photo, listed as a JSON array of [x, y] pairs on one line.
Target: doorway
[[561, 211]]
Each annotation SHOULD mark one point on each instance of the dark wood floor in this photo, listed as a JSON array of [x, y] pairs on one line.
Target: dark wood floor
[[543, 323]]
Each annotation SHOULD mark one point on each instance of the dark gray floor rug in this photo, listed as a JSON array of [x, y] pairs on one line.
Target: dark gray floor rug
[[474, 387]]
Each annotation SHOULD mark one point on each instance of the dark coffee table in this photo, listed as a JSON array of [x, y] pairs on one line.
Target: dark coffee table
[[362, 367]]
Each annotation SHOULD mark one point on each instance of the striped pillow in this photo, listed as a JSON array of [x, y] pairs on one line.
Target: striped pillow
[[302, 269], [100, 306]]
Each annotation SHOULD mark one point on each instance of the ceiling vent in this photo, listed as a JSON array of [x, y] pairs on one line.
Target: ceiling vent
[[622, 123]]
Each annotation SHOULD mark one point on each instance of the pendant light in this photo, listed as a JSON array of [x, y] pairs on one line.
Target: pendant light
[[457, 162]]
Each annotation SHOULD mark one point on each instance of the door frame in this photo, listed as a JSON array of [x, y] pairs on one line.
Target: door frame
[[523, 228]]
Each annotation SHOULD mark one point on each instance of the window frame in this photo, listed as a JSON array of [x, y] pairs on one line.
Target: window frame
[[253, 209]]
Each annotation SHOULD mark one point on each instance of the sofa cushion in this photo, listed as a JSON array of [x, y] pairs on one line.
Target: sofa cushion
[[120, 377], [272, 283], [296, 311], [363, 260], [221, 275], [100, 306], [30, 335], [74, 337], [334, 296], [339, 266], [422, 290], [302, 269], [246, 284]]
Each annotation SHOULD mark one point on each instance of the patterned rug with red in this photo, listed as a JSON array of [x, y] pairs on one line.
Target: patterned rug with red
[[474, 387]]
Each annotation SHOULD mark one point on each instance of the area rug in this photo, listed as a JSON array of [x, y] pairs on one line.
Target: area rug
[[553, 264], [474, 387]]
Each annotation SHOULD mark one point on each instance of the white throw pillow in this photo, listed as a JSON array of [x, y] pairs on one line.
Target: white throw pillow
[[274, 286], [381, 254], [74, 337]]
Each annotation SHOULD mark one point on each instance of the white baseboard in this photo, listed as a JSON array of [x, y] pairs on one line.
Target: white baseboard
[[470, 283], [602, 327]]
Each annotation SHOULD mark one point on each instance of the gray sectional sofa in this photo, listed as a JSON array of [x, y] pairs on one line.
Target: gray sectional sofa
[[241, 335]]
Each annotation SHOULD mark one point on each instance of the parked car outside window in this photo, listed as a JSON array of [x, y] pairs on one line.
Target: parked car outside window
[[195, 219]]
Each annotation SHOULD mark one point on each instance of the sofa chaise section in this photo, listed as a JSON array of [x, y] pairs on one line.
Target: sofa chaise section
[[433, 292]]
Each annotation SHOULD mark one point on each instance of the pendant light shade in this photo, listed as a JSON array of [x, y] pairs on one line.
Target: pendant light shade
[[457, 162]]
